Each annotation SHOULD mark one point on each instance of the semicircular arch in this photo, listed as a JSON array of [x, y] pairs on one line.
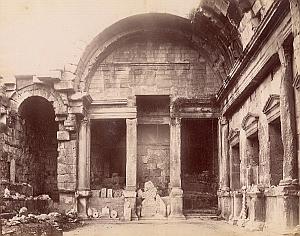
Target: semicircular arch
[[39, 90], [168, 24]]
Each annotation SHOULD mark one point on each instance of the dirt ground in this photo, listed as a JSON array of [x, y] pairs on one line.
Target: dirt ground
[[186, 228]]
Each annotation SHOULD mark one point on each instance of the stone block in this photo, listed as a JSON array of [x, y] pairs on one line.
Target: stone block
[[64, 85], [65, 169], [63, 135], [109, 193], [66, 178], [103, 193]]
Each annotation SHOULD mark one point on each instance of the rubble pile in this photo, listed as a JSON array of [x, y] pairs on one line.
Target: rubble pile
[[59, 222]]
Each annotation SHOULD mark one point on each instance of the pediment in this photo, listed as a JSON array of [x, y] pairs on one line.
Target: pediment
[[272, 103], [250, 124], [271, 108], [234, 136], [249, 120]]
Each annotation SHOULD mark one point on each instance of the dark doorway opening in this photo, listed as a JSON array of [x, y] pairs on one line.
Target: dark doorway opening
[[108, 154], [38, 163], [199, 164], [276, 152]]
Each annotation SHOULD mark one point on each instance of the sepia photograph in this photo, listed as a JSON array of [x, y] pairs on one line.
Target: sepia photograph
[[149, 117]]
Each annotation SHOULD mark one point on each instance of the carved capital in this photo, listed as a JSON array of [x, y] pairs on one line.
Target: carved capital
[[223, 120], [176, 121], [85, 121]]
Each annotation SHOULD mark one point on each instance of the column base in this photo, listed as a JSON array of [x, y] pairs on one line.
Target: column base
[[176, 202], [224, 202], [82, 202], [130, 205]]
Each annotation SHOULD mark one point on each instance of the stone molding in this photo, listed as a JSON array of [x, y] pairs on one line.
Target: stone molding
[[234, 137], [296, 82], [272, 107], [250, 124], [19, 96]]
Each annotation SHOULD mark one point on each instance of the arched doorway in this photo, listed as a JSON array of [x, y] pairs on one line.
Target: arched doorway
[[38, 165]]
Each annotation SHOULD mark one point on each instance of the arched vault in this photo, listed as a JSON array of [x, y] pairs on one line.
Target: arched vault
[[205, 36]]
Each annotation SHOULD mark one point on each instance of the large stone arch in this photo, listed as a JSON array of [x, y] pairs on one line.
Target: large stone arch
[[216, 53], [19, 96]]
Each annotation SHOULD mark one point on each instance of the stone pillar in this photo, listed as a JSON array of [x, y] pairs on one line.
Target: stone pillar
[[224, 195], [176, 195], [131, 165], [225, 155], [288, 117], [83, 192]]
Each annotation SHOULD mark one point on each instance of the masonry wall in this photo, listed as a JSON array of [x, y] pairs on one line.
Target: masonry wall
[[254, 104], [152, 67]]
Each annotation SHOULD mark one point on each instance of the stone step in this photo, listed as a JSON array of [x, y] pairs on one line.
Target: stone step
[[201, 214]]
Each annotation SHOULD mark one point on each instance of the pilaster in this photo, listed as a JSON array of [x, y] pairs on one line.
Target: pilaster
[[131, 166], [83, 188], [176, 195], [288, 117]]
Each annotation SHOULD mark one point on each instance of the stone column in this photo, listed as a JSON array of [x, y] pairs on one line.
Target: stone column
[[225, 155], [83, 192], [131, 165], [224, 191], [288, 117], [176, 195], [289, 183]]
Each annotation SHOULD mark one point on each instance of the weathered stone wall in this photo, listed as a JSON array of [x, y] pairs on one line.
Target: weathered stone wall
[[254, 104], [37, 164], [67, 165], [153, 67], [252, 18], [154, 156]]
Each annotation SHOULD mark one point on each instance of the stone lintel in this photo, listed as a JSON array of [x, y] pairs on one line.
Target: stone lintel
[[112, 112], [110, 102]]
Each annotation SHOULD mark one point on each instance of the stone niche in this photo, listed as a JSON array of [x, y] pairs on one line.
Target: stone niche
[[108, 154], [153, 142]]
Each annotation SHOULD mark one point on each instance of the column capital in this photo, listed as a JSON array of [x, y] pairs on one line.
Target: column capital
[[131, 120], [223, 120], [85, 120], [175, 121]]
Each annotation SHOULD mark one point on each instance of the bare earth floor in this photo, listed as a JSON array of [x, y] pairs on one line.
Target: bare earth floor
[[199, 228]]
